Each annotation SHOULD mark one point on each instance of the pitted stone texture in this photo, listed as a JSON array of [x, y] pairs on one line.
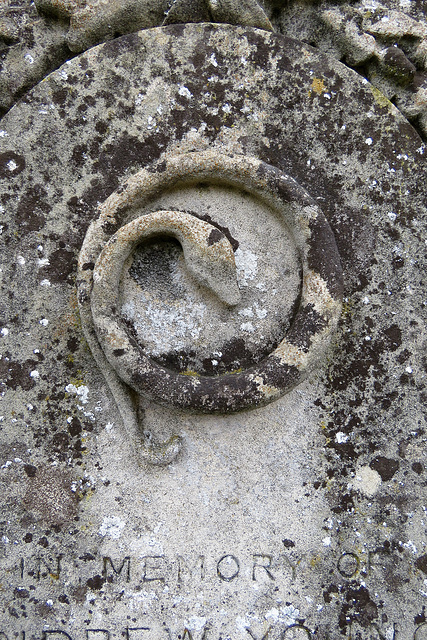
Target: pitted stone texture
[[323, 489]]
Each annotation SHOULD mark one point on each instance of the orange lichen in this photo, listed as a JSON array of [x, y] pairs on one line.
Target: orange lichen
[[317, 86]]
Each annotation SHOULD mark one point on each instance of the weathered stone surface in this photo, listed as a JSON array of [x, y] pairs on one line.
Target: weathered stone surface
[[356, 34], [365, 37], [301, 519]]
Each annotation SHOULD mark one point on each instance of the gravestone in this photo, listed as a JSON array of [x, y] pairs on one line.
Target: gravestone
[[212, 347]]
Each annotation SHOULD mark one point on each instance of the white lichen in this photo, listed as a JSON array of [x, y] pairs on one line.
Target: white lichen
[[81, 391], [341, 437], [186, 93], [367, 481], [246, 265], [112, 527]]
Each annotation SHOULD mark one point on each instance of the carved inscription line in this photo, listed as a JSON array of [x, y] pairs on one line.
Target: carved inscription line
[[160, 568], [134, 633], [208, 633], [157, 568]]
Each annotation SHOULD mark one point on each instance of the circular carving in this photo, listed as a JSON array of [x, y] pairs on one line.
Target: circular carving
[[120, 227]]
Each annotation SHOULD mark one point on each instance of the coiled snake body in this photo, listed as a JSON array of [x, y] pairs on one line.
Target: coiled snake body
[[209, 256]]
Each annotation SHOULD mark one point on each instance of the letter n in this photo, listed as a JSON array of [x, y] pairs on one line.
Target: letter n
[[53, 573]]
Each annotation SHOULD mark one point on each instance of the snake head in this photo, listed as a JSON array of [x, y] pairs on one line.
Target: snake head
[[211, 261]]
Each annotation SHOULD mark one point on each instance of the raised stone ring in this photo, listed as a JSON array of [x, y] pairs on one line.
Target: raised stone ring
[[120, 227]]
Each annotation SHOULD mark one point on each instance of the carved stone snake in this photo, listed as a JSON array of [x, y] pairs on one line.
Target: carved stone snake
[[119, 228]]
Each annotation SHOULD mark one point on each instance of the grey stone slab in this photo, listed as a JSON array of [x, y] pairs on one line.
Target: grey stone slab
[[303, 518]]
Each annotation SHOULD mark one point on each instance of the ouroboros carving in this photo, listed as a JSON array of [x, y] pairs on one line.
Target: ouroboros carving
[[119, 224]]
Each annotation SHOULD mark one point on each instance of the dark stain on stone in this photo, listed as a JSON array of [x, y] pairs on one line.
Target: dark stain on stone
[[178, 360], [101, 127], [239, 390], [90, 100], [95, 583], [63, 599], [327, 594], [358, 607], [62, 264], [207, 218], [417, 467], [79, 593], [279, 375], [43, 610], [386, 467], [235, 354], [30, 470], [421, 617], [389, 557], [288, 544], [323, 256], [17, 374], [307, 323], [59, 443], [421, 563], [344, 503], [60, 96], [32, 208], [72, 344], [75, 427], [403, 356], [73, 79], [394, 335], [126, 152], [261, 50], [397, 262], [78, 156], [215, 236]]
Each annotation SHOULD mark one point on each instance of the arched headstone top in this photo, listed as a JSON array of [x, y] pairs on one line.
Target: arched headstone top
[[212, 337]]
